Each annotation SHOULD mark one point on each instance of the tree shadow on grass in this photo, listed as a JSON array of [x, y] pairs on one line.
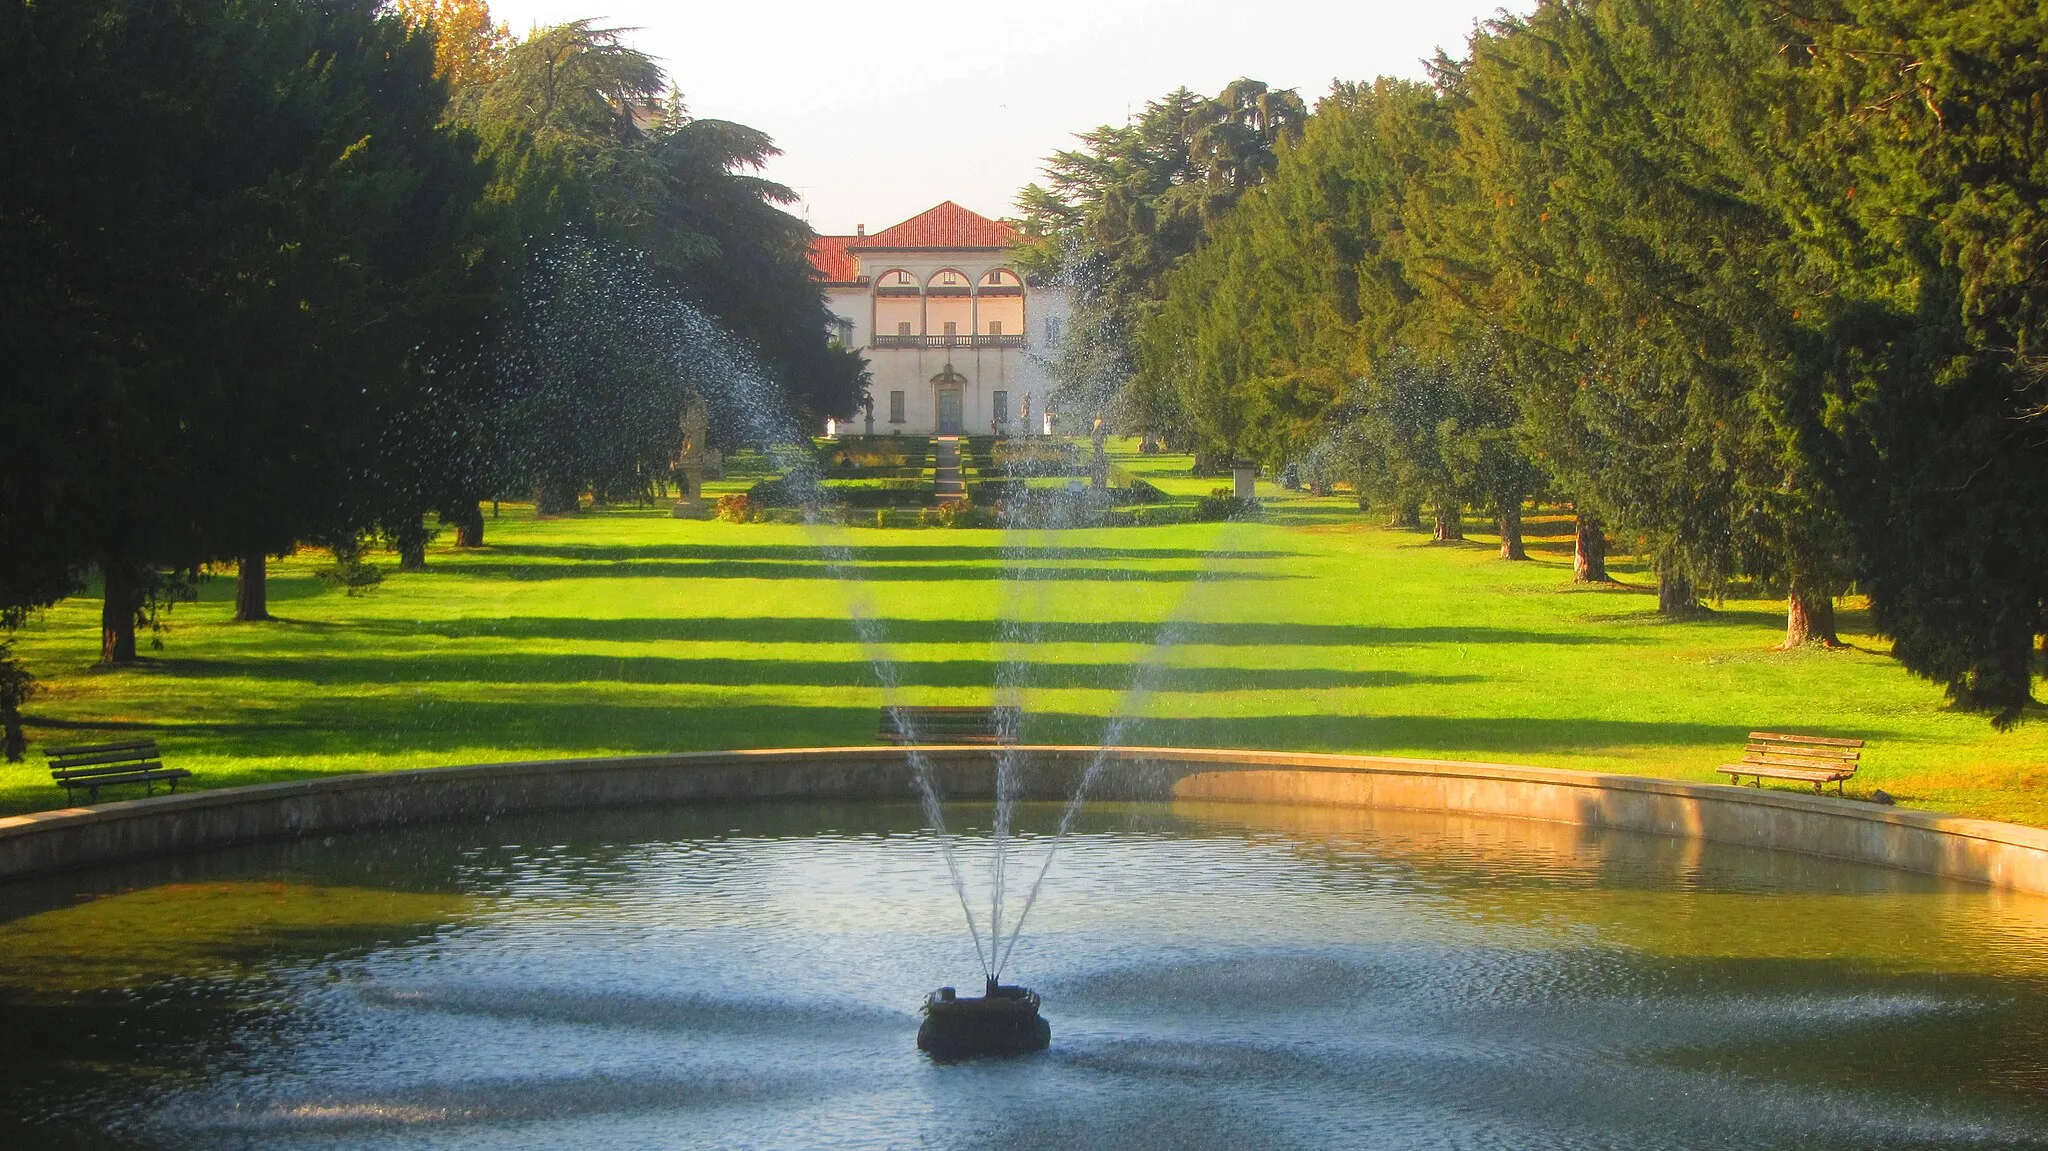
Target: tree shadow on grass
[[580, 721], [926, 553], [587, 723], [1446, 736], [829, 629], [584, 721], [596, 671], [819, 570]]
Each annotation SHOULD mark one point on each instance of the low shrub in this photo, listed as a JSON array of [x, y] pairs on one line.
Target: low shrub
[[1140, 492], [1068, 507], [989, 492], [1156, 515], [1223, 504], [738, 508], [1036, 457], [773, 492], [883, 493], [350, 572], [962, 514]]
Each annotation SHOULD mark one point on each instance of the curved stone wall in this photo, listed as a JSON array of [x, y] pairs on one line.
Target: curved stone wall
[[1999, 854]]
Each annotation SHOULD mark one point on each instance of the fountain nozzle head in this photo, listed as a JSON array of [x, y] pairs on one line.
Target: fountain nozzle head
[[991, 986]]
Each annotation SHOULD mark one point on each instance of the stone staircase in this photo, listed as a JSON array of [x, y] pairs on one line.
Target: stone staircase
[[946, 469]]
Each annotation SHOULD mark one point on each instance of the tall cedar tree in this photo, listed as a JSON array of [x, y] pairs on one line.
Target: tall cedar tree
[[1118, 213], [239, 278]]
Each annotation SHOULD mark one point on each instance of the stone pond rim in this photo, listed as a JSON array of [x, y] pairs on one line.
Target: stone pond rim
[[2001, 855]]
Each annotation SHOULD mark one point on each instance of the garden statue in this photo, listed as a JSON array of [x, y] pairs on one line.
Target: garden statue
[[689, 468], [1098, 468]]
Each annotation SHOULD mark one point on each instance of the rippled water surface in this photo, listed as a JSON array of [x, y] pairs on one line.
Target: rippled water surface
[[1216, 976]]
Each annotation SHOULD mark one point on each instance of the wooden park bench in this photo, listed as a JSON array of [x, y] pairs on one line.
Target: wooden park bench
[[1814, 759], [97, 765], [948, 724]]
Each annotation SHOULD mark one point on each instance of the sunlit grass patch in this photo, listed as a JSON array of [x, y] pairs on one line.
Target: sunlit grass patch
[[625, 630]]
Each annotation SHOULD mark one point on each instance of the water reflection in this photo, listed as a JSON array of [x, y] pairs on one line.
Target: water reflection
[[1218, 975]]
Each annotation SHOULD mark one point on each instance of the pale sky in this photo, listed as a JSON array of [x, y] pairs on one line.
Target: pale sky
[[883, 110]]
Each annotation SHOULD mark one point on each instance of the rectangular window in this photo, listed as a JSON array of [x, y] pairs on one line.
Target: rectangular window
[[896, 407], [999, 402], [903, 328], [952, 332], [995, 328]]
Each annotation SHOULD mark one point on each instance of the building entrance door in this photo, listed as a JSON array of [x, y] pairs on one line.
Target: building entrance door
[[949, 411]]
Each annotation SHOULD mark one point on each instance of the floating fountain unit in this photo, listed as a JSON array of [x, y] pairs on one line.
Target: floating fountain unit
[[1003, 1021]]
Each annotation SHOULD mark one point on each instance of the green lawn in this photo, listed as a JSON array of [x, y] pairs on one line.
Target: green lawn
[[628, 631]]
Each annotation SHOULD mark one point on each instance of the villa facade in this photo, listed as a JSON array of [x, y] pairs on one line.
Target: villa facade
[[954, 335]]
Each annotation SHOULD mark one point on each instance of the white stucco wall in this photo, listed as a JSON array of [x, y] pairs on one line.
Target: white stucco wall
[[984, 370]]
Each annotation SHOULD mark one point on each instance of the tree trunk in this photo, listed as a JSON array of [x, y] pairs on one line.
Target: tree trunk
[[1450, 524], [123, 595], [1809, 618], [1406, 515], [13, 741], [1511, 532], [252, 588], [412, 553], [469, 526], [16, 686], [552, 499], [1589, 559], [1675, 595]]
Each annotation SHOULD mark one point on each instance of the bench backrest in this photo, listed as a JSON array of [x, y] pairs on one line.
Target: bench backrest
[[102, 758], [933, 723], [1812, 751]]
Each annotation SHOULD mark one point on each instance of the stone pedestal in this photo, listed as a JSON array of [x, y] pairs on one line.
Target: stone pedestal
[[1242, 476], [690, 498]]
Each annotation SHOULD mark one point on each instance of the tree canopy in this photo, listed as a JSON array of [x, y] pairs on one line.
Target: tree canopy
[[270, 271], [1757, 288]]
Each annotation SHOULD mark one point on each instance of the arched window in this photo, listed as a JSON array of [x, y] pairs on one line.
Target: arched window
[[949, 307], [999, 309], [899, 310]]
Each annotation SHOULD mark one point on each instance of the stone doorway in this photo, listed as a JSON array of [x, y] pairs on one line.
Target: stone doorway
[[948, 393]]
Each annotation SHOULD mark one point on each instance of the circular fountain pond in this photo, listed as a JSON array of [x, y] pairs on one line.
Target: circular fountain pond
[[1217, 975]]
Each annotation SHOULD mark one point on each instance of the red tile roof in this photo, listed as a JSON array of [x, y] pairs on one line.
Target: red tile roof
[[831, 263], [947, 226]]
